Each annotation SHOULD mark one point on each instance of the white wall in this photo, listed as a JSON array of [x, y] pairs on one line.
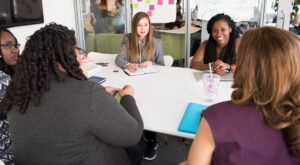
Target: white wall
[[59, 11]]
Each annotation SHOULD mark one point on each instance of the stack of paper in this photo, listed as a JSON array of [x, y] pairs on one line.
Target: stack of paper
[[89, 69], [141, 71]]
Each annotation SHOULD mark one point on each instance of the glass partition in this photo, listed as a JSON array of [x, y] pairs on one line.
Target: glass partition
[[104, 24], [105, 21]]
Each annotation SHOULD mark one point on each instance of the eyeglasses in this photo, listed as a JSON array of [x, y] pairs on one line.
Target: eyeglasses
[[10, 46], [82, 51]]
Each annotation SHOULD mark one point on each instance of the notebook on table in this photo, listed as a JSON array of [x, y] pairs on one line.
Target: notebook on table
[[141, 71], [191, 119]]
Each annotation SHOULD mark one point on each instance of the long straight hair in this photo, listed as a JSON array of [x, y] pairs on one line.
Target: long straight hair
[[268, 75], [134, 50]]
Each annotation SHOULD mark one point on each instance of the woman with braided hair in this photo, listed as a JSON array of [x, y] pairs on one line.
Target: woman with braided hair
[[221, 47], [58, 117]]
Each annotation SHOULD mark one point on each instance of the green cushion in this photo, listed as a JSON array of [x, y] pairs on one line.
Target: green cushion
[[173, 44], [108, 42], [90, 42]]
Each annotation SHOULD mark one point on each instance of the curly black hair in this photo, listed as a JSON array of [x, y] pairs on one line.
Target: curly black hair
[[229, 52], [46, 49]]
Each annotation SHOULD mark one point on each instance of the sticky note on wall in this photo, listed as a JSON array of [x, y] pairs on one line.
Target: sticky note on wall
[[171, 2], [151, 7], [159, 2], [135, 6]]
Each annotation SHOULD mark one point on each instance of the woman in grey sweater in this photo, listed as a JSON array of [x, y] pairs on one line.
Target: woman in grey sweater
[[140, 49], [57, 117]]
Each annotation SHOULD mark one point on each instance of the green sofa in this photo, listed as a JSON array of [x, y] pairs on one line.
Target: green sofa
[[173, 44], [90, 42], [108, 42]]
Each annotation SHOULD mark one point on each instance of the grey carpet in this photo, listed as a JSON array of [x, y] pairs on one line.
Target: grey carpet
[[171, 150]]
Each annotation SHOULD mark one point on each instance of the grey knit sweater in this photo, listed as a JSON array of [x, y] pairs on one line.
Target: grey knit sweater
[[77, 122], [122, 57]]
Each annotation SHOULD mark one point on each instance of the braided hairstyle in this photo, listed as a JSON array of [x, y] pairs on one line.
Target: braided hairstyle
[[47, 49], [228, 53]]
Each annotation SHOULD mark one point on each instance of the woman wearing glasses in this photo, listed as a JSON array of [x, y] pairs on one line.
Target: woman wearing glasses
[[9, 51], [9, 54]]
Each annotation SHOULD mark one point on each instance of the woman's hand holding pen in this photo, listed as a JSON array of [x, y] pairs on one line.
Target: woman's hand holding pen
[[132, 67], [145, 64]]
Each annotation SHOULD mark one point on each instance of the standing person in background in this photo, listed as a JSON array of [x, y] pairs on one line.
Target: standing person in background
[[221, 47], [118, 21], [82, 119], [9, 55], [140, 49], [179, 18], [261, 124], [96, 19]]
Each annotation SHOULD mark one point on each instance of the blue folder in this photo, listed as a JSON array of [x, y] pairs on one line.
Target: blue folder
[[97, 79], [191, 118]]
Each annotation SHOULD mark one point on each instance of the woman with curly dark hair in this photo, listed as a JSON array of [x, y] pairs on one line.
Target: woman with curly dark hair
[[221, 47], [56, 116], [261, 123]]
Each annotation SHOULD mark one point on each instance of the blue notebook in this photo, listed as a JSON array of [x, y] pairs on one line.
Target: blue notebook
[[97, 79], [191, 118]]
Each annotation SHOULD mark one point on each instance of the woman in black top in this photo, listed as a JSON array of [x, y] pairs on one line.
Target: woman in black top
[[220, 48]]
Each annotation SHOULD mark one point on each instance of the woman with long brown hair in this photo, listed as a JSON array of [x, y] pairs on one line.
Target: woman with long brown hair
[[140, 49], [261, 124]]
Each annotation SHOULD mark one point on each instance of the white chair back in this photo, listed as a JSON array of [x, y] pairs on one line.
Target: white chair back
[[168, 60], [102, 57]]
